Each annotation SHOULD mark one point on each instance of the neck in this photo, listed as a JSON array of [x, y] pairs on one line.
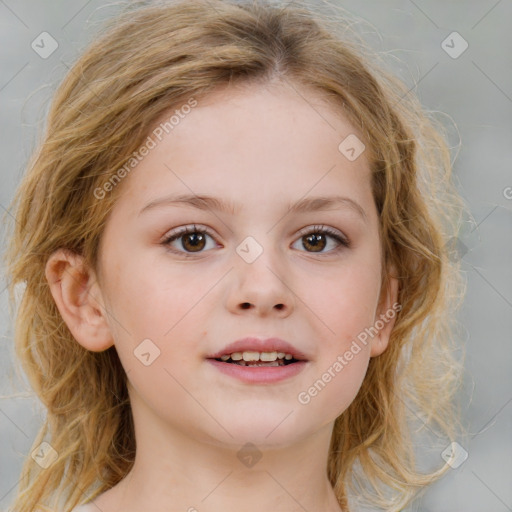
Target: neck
[[175, 471]]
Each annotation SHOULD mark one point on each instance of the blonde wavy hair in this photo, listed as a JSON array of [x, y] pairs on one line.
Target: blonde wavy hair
[[147, 59]]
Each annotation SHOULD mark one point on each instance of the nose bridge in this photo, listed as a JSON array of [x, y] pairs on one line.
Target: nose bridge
[[261, 277]]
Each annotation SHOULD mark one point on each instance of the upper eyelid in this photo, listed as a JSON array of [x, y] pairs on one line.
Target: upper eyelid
[[182, 230], [320, 227]]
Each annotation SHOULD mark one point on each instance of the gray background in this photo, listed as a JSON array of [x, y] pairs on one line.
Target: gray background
[[474, 91]]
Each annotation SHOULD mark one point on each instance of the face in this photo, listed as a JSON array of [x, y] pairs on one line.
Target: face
[[256, 269]]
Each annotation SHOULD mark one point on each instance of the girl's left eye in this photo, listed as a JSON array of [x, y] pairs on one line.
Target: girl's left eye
[[317, 236], [194, 239]]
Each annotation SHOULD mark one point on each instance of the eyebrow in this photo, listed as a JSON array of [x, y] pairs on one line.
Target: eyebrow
[[309, 204]]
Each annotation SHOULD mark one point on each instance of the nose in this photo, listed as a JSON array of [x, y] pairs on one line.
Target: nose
[[261, 287]]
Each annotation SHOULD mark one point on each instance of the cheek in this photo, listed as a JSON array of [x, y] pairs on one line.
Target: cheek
[[335, 387], [150, 300], [345, 305], [346, 302], [167, 308]]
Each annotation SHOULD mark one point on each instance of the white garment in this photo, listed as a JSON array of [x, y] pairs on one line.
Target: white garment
[[87, 507]]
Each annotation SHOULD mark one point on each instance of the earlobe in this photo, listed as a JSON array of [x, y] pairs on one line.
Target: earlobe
[[79, 299], [385, 318]]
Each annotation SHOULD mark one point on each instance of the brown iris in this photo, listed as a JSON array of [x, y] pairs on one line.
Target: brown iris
[[316, 241], [193, 242]]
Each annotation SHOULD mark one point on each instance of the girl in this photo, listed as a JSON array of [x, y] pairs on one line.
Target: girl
[[234, 248]]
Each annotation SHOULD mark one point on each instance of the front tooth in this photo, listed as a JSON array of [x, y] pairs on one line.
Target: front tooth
[[288, 357], [251, 356], [237, 356], [268, 356]]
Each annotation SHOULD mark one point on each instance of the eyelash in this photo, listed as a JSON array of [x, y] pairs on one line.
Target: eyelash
[[342, 240]]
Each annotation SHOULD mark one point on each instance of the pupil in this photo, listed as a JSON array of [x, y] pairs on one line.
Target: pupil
[[314, 240], [197, 241]]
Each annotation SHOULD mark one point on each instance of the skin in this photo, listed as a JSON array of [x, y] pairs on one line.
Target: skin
[[261, 147]]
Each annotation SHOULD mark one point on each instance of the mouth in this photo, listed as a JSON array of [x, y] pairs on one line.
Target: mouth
[[258, 359], [252, 368], [254, 351], [254, 360]]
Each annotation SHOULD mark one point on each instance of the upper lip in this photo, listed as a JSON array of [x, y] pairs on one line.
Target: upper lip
[[260, 345]]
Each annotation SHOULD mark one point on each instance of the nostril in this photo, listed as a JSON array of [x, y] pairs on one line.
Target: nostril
[[247, 305]]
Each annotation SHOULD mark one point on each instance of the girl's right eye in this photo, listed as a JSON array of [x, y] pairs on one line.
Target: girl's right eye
[[193, 240]]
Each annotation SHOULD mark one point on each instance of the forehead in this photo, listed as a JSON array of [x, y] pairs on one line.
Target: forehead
[[251, 140]]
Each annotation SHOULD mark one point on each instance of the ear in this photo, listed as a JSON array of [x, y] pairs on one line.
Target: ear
[[387, 311], [78, 297]]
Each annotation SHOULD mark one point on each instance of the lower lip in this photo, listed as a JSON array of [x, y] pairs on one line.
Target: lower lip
[[259, 374]]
